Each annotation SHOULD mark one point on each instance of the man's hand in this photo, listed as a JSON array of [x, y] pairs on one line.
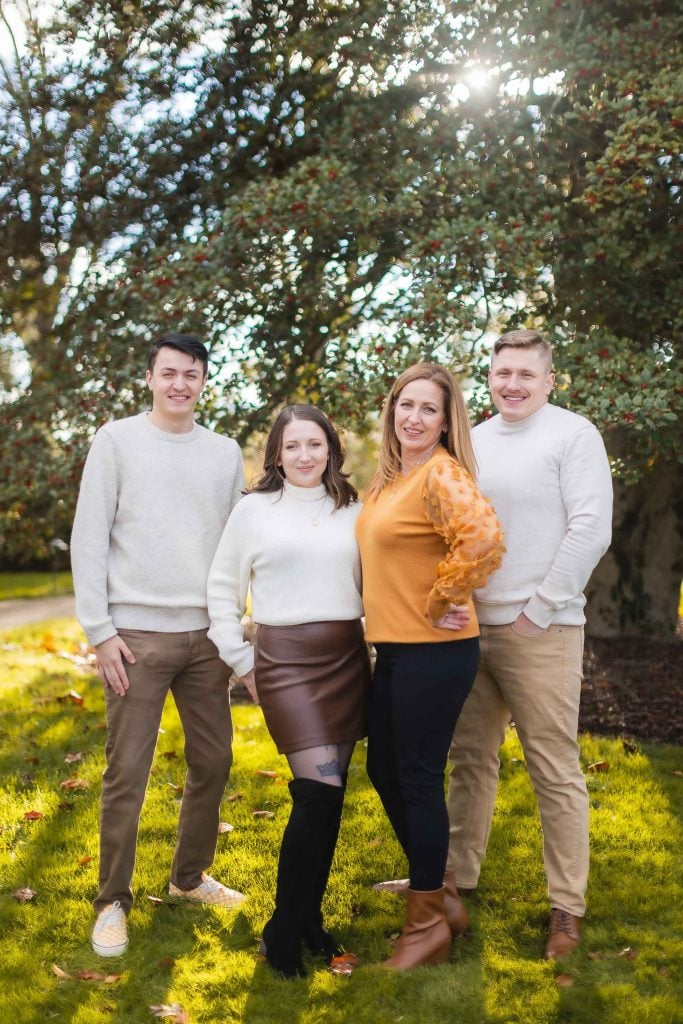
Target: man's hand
[[249, 680], [457, 617], [110, 664], [525, 627]]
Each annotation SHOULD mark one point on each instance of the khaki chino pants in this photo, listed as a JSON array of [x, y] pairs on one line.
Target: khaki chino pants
[[538, 681], [188, 665]]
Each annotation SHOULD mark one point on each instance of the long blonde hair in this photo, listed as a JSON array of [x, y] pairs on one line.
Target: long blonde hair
[[456, 438]]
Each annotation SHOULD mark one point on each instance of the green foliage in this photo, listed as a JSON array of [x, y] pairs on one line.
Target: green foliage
[[15, 585], [324, 194], [204, 958]]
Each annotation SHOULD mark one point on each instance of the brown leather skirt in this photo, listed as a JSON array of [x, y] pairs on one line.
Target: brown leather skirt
[[313, 681]]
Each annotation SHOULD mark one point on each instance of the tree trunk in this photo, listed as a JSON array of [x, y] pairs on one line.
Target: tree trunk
[[635, 589]]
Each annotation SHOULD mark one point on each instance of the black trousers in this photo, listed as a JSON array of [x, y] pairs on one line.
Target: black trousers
[[417, 693]]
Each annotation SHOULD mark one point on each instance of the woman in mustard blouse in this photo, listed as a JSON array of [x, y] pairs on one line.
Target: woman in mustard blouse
[[427, 539]]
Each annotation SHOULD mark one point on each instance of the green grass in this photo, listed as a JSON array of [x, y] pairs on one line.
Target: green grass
[[34, 584], [204, 958]]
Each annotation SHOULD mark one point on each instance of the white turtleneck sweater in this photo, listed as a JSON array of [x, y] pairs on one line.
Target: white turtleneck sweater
[[549, 481], [300, 558]]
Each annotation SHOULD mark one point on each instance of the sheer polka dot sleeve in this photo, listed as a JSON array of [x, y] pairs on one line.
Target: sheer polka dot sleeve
[[468, 524]]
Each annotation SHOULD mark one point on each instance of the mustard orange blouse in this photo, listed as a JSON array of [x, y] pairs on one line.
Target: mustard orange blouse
[[426, 541]]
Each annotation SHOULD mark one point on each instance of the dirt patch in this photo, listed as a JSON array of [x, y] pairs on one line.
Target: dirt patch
[[633, 688]]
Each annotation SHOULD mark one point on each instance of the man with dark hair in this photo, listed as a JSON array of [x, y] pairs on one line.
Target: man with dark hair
[[156, 492], [545, 471]]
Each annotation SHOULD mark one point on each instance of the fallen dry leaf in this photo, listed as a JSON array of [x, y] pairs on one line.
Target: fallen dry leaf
[[71, 698], [59, 973], [345, 964], [676, 773], [564, 980], [176, 789], [74, 784], [33, 816], [83, 861], [598, 766], [224, 827], [232, 797], [83, 662], [32, 760], [628, 953], [266, 774], [86, 975], [374, 843], [165, 962], [263, 814], [155, 900], [630, 746], [173, 1012], [66, 805], [599, 956], [47, 643], [73, 758], [24, 895]]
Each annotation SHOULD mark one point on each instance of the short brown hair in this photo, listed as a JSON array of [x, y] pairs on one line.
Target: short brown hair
[[524, 338]]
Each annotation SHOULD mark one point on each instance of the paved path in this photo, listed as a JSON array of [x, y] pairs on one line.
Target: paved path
[[22, 611]]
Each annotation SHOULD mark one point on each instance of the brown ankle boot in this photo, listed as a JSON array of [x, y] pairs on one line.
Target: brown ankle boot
[[426, 937], [456, 915]]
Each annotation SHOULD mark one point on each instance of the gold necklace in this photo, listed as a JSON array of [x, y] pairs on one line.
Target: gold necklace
[[418, 462]]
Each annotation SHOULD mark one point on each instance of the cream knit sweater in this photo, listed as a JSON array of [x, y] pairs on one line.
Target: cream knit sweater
[[549, 480], [300, 558], [150, 513]]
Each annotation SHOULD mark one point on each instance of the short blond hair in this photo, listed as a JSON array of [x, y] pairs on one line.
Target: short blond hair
[[525, 338], [456, 436]]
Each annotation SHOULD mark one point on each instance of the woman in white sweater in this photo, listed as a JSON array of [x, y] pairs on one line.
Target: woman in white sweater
[[292, 541]]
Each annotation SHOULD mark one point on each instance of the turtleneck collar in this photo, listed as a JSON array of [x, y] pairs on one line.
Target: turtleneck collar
[[304, 493]]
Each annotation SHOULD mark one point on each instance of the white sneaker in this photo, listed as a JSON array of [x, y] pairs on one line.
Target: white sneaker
[[110, 934], [211, 892]]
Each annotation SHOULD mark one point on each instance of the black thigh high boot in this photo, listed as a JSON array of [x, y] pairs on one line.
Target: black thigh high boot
[[305, 856], [329, 802]]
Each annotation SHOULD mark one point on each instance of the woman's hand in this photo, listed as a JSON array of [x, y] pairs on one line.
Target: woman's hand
[[250, 682], [457, 617]]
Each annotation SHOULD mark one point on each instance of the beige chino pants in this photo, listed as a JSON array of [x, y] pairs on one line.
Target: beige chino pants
[[538, 681], [188, 665]]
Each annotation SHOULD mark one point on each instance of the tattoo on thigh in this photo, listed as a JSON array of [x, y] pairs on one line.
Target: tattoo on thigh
[[329, 768]]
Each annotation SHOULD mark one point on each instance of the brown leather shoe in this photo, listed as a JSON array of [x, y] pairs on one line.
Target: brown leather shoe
[[564, 935]]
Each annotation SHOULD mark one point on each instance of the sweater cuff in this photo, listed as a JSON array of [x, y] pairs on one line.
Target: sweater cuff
[[101, 634], [539, 611], [244, 662]]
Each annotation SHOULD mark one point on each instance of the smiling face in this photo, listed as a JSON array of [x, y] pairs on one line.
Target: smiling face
[[419, 418], [303, 456], [520, 381], [176, 382]]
